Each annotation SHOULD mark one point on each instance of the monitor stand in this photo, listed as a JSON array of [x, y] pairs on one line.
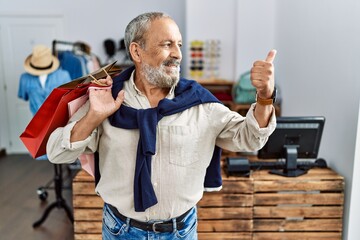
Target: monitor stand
[[290, 169]]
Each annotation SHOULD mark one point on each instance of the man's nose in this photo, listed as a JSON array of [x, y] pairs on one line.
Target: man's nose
[[176, 52]]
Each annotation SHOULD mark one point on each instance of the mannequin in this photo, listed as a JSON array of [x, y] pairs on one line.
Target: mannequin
[[42, 75], [110, 50], [42, 79]]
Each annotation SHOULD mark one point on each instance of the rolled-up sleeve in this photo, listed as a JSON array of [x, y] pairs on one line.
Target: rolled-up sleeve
[[59, 149], [239, 133]]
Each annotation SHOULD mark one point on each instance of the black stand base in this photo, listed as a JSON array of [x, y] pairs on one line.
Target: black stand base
[[242, 166], [289, 173], [60, 201]]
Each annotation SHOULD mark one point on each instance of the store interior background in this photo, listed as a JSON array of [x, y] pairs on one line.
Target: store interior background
[[317, 65]]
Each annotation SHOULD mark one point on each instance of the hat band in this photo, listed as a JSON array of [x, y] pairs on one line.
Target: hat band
[[41, 68]]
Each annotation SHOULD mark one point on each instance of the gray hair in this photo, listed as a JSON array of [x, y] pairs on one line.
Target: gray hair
[[137, 28]]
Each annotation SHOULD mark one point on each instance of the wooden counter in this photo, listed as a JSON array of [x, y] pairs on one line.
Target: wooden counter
[[261, 206], [266, 206]]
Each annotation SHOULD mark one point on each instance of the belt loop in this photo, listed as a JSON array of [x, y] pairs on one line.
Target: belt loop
[[174, 225], [127, 225]]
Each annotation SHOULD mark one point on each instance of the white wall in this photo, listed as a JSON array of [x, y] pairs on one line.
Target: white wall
[[3, 119], [94, 21], [241, 43], [255, 33], [208, 19], [354, 214], [318, 62]]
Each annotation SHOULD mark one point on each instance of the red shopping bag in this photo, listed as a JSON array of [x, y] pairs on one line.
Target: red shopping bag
[[53, 113]]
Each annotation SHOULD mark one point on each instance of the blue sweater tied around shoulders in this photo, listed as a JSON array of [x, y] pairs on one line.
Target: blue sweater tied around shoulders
[[188, 93]]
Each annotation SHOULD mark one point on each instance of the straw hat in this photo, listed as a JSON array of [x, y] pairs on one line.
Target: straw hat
[[41, 61]]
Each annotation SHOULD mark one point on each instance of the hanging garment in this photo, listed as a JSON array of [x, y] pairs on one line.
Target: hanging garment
[[30, 88], [71, 63]]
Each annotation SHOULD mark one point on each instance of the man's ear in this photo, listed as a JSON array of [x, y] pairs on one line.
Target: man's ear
[[135, 51]]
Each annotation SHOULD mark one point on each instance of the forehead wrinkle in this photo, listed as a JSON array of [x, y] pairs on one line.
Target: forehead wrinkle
[[169, 32]]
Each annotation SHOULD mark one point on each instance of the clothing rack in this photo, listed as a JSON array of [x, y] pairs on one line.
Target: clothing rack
[[58, 172], [57, 46], [56, 43], [75, 57], [60, 201]]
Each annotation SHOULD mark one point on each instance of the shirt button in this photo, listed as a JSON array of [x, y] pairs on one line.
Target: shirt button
[[155, 184]]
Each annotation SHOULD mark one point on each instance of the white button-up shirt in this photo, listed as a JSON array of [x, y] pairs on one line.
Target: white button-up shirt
[[184, 148]]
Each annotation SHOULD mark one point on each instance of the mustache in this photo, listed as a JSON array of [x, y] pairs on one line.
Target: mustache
[[171, 62]]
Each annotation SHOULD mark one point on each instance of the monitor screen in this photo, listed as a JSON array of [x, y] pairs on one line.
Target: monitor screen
[[294, 138]]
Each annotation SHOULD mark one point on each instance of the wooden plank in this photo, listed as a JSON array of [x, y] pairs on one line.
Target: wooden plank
[[79, 236], [83, 176], [87, 227], [299, 185], [216, 82], [298, 198], [231, 186], [83, 201], [226, 200], [298, 212], [88, 214], [313, 174], [225, 213], [225, 226], [84, 188], [325, 225], [297, 236], [224, 236]]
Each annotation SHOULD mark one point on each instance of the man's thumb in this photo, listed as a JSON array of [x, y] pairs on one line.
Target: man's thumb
[[271, 56], [119, 99]]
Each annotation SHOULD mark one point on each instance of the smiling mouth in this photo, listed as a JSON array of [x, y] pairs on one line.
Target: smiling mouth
[[172, 63], [172, 66]]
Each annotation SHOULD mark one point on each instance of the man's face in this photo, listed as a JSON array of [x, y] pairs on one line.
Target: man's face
[[162, 56]]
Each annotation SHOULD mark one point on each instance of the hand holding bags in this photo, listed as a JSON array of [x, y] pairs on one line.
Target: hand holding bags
[[54, 113]]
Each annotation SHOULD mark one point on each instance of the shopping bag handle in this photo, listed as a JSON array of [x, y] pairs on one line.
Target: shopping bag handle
[[96, 81]]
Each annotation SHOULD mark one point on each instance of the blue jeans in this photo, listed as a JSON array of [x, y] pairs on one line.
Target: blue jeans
[[113, 229]]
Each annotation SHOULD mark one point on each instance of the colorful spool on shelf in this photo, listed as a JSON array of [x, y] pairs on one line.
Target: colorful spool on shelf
[[196, 59], [204, 59]]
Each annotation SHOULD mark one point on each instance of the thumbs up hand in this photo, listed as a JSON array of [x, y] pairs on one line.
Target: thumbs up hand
[[262, 76]]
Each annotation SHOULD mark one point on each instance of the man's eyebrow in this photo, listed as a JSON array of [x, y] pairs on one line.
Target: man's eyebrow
[[171, 41]]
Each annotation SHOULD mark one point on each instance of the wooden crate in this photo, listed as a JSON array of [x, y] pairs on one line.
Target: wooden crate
[[262, 206], [88, 208], [227, 214], [266, 206], [305, 207]]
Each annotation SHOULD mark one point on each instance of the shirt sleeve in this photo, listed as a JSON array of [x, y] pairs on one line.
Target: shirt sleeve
[[23, 89], [65, 78], [239, 133], [59, 148]]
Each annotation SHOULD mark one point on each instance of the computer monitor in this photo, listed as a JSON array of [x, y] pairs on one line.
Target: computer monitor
[[293, 138]]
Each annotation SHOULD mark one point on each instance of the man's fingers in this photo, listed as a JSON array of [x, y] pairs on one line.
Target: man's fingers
[[108, 80], [120, 98], [271, 56]]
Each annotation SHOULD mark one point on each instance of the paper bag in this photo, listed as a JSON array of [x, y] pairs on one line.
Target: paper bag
[[53, 113]]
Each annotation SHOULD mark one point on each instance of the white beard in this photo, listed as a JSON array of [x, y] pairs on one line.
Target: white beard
[[158, 76]]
